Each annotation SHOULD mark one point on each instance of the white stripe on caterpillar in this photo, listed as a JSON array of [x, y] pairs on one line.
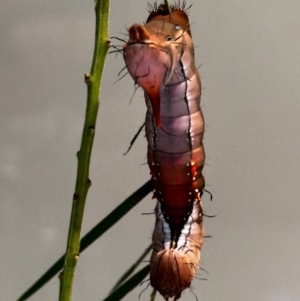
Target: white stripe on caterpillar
[[173, 269]]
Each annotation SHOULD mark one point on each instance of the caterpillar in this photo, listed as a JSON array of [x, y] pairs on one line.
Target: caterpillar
[[159, 56]]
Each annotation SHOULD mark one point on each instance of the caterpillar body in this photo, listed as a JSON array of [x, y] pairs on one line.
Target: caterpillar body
[[160, 57]]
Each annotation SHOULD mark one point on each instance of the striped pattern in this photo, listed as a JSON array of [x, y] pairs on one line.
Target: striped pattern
[[173, 269]]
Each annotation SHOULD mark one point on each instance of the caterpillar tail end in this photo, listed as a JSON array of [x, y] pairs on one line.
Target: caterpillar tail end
[[171, 273]]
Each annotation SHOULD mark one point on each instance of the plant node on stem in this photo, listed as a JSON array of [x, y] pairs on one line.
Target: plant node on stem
[[93, 80]]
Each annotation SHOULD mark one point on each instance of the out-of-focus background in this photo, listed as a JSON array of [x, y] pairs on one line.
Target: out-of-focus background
[[249, 52]]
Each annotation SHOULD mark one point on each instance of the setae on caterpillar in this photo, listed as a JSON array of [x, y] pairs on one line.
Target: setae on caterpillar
[[159, 56]]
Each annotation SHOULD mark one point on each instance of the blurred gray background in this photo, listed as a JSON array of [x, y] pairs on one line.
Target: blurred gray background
[[249, 53]]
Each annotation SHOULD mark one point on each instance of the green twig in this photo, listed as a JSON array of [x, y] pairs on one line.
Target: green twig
[[131, 269], [167, 6], [115, 215], [93, 80], [129, 285], [153, 295], [91, 236]]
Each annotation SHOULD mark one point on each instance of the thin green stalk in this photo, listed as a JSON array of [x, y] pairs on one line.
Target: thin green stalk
[[153, 295], [131, 269], [129, 285], [112, 218], [168, 6], [83, 182]]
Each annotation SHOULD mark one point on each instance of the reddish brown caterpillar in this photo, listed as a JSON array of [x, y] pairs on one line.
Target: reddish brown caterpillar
[[160, 57]]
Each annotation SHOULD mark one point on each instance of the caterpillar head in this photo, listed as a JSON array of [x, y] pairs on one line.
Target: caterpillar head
[[153, 51]]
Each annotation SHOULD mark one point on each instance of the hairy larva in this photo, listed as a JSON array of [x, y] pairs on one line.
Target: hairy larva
[[159, 56]]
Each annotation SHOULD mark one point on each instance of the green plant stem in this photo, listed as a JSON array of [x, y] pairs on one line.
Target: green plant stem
[[104, 225], [129, 285], [167, 6], [93, 80], [153, 295], [131, 269]]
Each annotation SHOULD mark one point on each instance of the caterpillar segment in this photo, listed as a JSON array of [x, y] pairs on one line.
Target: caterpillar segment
[[173, 269]]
